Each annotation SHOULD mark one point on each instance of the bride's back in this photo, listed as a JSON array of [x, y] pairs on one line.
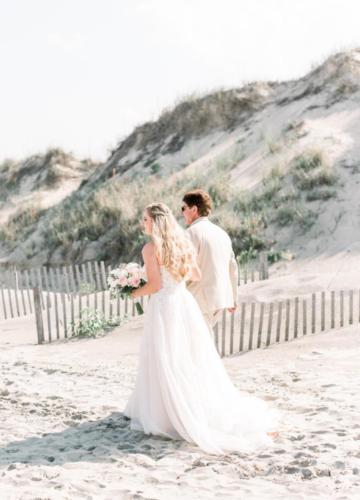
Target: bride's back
[[167, 279]]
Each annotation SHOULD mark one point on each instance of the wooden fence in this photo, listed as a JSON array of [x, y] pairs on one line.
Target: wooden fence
[[16, 296], [254, 325], [63, 313], [260, 324], [60, 298]]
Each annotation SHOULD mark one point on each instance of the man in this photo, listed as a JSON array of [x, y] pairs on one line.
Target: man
[[217, 288]]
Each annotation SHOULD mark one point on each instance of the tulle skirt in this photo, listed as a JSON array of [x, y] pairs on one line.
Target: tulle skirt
[[182, 389]]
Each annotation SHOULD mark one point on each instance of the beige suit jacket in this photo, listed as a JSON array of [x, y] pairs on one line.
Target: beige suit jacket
[[218, 286]]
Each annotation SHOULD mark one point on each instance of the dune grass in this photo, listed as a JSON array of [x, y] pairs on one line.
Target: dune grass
[[20, 224], [110, 212]]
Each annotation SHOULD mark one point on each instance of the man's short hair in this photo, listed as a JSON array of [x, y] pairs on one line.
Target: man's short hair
[[199, 198]]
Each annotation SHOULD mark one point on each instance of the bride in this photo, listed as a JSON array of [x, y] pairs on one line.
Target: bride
[[182, 389]]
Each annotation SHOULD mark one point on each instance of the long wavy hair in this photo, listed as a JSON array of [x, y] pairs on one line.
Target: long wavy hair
[[173, 246]]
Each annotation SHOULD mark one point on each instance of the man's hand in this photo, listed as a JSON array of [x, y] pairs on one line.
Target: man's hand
[[232, 309]]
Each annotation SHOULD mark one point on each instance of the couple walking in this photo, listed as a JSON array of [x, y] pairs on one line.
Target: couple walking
[[182, 389]]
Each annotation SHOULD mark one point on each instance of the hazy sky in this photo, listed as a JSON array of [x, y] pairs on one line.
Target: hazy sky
[[80, 74]]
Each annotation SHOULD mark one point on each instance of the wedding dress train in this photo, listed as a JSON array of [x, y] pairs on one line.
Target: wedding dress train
[[182, 389]]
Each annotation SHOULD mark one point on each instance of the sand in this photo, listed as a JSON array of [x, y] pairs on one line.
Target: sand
[[63, 435]]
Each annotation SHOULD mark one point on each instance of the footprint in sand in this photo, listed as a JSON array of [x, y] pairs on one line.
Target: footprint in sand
[[330, 445], [299, 437]]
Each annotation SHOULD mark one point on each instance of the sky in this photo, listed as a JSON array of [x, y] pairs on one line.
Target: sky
[[81, 74]]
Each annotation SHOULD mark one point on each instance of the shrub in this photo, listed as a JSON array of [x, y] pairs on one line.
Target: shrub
[[322, 176], [220, 191], [246, 232], [285, 215], [277, 255], [155, 168], [311, 169], [21, 223], [320, 194], [93, 323], [308, 160], [264, 198], [294, 214]]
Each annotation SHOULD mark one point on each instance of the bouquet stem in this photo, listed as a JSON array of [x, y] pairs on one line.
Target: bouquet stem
[[139, 308]]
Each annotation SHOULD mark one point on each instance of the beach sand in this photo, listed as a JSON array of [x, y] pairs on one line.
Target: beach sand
[[63, 435]]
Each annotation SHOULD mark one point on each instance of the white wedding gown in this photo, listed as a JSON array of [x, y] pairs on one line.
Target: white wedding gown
[[182, 389]]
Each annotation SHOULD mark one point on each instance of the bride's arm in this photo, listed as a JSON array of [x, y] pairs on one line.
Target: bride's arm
[[152, 271]]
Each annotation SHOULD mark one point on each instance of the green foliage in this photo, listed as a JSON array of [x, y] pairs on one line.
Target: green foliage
[[294, 214], [246, 232], [245, 256], [20, 224], [311, 169], [274, 256], [155, 168], [93, 323], [110, 212], [220, 191], [308, 160], [277, 255], [115, 210], [320, 194], [262, 199], [322, 176], [86, 288]]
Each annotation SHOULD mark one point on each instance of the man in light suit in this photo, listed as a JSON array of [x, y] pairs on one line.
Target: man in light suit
[[218, 287]]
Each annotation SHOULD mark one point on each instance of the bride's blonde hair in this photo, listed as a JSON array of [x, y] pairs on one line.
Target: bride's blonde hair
[[173, 246]]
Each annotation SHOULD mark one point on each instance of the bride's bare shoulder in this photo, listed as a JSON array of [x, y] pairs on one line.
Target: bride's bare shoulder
[[148, 249]]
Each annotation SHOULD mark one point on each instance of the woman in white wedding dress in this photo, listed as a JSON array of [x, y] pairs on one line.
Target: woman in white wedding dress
[[182, 389]]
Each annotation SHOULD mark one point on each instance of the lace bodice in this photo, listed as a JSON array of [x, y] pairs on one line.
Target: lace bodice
[[168, 281]]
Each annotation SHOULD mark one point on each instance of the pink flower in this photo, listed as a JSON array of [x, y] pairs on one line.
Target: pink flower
[[123, 281], [135, 282], [136, 274]]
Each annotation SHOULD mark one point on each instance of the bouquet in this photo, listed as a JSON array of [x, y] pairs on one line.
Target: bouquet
[[126, 278]]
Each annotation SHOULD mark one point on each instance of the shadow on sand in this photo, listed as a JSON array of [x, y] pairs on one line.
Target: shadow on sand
[[103, 440]]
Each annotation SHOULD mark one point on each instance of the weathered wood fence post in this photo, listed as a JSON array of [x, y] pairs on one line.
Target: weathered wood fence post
[[38, 315]]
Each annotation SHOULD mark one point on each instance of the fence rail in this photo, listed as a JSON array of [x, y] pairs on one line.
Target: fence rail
[[59, 297], [63, 313], [254, 325], [16, 297], [261, 324]]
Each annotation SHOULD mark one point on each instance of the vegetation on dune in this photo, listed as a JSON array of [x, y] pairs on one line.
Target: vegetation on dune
[[21, 224], [110, 212], [281, 199], [115, 208], [312, 170], [195, 115], [44, 170], [101, 218]]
